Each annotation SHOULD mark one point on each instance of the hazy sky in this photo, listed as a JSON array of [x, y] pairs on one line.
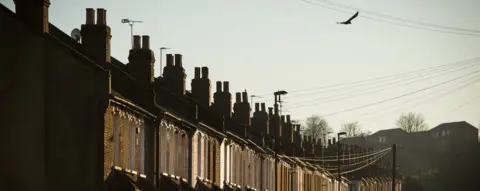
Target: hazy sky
[[267, 45]]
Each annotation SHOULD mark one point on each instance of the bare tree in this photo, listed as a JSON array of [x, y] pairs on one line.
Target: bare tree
[[411, 122], [352, 129], [317, 127]]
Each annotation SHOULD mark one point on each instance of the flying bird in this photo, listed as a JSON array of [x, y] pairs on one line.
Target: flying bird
[[349, 21]]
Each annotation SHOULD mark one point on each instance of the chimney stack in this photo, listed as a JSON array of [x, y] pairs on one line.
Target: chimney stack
[[205, 72], [244, 97], [238, 98], [169, 60], [136, 42], [141, 60], [197, 76], [219, 83], [201, 87], [90, 16], [178, 60], [223, 100], [101, 17], [96, 38], [174, 76], [226, 87], [146, 42], [34, 13], [242, 109]]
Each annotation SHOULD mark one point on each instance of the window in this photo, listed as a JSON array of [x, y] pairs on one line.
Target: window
[[382, 139], [128, 141], [443, 133]]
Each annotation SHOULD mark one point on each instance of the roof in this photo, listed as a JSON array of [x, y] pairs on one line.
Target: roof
[[457, 124], [389, 131]]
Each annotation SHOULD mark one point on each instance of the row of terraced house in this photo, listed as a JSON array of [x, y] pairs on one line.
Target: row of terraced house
[[76, 118]]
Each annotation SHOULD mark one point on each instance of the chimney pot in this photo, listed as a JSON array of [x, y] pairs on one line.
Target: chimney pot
[[257, 107], [90, 16], [136, 42], [219, 83], [146, 42], [282, 118], [226, 86], [169, 59], [263, 107], [101, 17], [298, 128], [329, 142], [244, 97], [197, 76], [238, 97], [288, 119], [334, 140], [270, 111], [178, 60], [204, 72]]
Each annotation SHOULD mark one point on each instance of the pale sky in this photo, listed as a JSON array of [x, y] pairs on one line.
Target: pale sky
[[268, 45]]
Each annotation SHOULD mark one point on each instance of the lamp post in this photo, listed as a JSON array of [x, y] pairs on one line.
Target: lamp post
[[130, 22], [277, 95], [161, 61], [338, 158]]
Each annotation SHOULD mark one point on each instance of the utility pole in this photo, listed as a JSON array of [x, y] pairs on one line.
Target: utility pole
[[394, 166], [275, 134], [130, 22], [338, 158]]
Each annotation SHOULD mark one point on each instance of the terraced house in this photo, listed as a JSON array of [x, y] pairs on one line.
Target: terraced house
[[96, 123]]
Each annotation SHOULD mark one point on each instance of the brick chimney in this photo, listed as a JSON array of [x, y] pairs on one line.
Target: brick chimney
[[96, 36], [222, 100], [241, 108], [174, 74], [141, 60], [201, 86], [34, 13], [260, 121], [270, 121], [318, 147]]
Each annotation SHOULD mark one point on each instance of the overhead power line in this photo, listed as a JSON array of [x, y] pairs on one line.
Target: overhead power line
[[373, 89], [400, 96], [383, 78], [398, 18], [429, 99], [464, 104], [401, 22]]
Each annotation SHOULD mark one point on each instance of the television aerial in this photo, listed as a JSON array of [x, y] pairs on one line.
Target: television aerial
[[76, 35]]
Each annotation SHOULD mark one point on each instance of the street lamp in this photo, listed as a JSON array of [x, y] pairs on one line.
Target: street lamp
[[161, 50], [338, 158], [130, 22], [277, 126]]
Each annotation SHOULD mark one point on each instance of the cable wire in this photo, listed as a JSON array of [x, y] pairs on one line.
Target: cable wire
[[347, 95], [384, 78], [400, 96], [395, 23], [399, 19], [415, 98]]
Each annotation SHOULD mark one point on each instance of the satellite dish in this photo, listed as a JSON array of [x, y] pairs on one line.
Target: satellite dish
[[76, 35]]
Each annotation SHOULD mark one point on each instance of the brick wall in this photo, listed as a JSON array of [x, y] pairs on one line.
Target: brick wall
[[217, 163], [194, 159], [108, 141]]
